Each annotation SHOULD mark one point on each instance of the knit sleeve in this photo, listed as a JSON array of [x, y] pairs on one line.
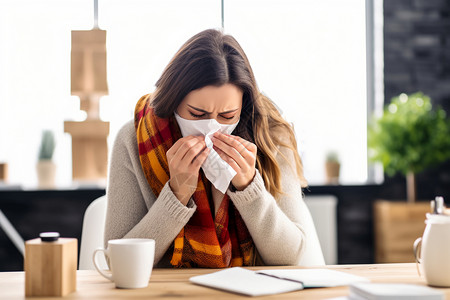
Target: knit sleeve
[[133, 210], [276, 226]]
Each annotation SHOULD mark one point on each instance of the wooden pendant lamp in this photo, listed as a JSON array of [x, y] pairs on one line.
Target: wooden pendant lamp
[[89, 82]]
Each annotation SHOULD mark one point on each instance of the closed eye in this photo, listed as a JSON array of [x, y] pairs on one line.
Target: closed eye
[[227, 118], [197, 116]]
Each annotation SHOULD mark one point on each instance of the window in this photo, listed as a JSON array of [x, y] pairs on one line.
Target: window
[[308, 56]]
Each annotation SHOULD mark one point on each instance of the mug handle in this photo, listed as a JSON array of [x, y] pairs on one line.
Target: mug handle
[[417, 252], [94, 258]]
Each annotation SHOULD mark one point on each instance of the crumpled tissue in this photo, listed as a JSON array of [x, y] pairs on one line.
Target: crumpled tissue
[[218, 172]]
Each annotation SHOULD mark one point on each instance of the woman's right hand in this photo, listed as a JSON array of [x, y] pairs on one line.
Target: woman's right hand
[[185, 158]]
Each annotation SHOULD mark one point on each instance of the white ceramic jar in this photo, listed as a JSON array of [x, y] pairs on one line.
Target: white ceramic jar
[[432, 251]]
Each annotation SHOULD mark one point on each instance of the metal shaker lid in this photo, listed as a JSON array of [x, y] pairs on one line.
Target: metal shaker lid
[[49, 236]]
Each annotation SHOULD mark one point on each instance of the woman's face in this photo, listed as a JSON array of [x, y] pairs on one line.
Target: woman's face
[[223, 103]]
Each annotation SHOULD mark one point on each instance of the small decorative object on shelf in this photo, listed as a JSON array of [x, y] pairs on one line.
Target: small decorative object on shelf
[[3, 172], [45, 167], [55, 277], [332, 167]]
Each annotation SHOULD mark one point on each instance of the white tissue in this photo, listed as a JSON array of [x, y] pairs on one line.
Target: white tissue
[[216, 169]]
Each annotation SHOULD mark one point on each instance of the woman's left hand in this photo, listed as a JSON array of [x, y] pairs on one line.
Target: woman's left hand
[[240, 154]]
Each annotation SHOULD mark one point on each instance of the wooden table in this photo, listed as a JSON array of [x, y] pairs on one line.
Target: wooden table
[[174, 283]]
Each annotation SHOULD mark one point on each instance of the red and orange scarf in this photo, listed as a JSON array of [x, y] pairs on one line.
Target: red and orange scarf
[[204, 241]]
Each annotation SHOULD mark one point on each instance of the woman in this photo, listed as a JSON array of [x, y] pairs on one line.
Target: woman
[[158, 189]]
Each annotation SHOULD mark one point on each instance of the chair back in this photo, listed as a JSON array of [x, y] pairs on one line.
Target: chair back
[[312, 255], [323, 210], [92, 235]]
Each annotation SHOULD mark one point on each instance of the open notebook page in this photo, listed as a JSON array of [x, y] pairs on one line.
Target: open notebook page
[[246, 282], [269, 282], [315, 277]]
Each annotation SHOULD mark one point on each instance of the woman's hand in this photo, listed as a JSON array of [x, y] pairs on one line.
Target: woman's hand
[[240, 154], [185, 158]]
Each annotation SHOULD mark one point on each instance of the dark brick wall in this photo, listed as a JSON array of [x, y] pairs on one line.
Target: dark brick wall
[[417, 48], [417, 58]]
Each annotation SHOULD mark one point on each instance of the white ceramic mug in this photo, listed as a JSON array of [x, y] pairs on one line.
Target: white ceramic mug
[[432, 251], [130, 261]]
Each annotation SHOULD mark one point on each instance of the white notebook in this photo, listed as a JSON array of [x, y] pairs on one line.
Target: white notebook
[[313, 278], [269, 282], [393, 291]]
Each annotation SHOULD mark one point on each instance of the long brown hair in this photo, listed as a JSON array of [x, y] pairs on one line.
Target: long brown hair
[[213, 58]]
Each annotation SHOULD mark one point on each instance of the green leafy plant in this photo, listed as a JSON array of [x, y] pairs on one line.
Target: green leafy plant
[[332, 167], [47, 146], [409, 137], [332, 156]]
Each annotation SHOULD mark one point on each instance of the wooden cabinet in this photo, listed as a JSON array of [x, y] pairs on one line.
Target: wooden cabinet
[[397, 226]]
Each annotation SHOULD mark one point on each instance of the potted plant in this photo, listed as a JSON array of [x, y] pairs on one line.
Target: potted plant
[[408, 138], [3, 172], [45, 167], [332, 167]]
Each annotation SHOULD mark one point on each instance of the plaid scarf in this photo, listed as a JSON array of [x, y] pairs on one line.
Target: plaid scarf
[[204, 241]]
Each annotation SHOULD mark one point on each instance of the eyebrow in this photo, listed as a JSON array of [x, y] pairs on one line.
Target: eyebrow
[[207, 112]]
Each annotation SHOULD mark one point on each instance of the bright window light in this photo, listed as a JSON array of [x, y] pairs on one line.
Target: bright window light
[[308, 57]]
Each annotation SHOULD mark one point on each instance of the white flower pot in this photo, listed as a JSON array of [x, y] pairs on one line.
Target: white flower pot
[[46, 170]]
